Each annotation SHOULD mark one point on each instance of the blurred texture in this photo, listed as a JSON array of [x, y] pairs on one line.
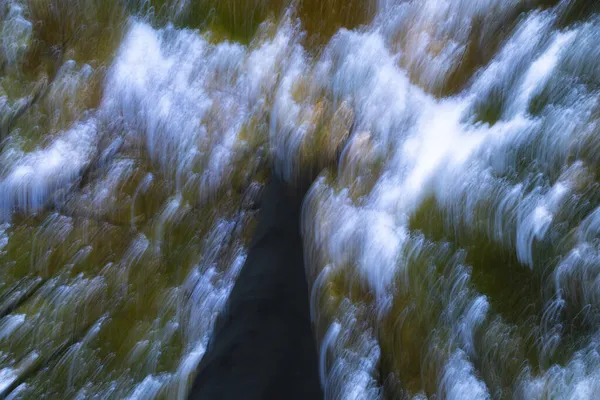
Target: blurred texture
[[451, 231]]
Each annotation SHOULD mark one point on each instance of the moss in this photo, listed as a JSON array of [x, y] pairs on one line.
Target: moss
[[225, 19], [322, 19], [83, 30]]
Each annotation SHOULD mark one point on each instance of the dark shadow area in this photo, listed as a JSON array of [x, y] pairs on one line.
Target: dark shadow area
[[263, 346]]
